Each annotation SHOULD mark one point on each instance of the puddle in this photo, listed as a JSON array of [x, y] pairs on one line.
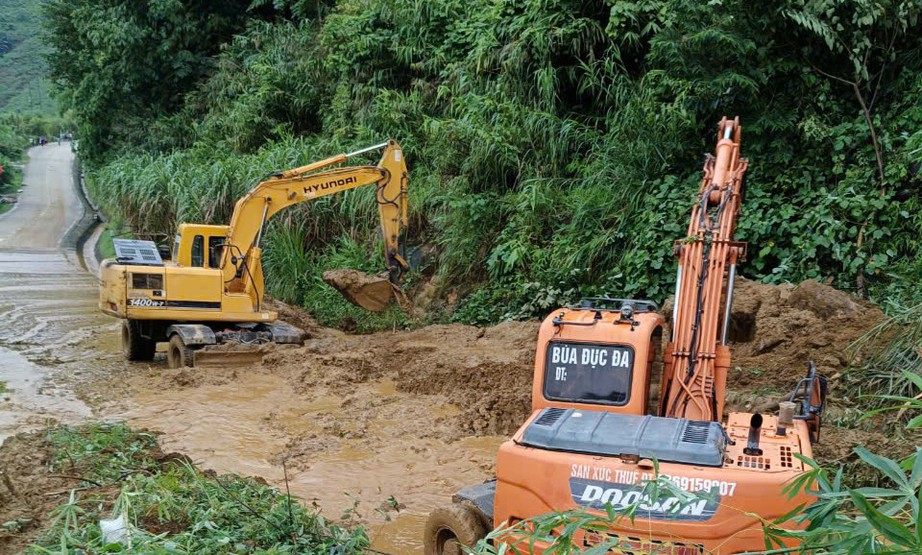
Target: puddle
[[31, 399]]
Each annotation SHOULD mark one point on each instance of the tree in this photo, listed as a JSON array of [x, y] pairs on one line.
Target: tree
[[120, 64]]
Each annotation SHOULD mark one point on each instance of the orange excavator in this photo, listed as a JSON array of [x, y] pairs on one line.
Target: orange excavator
[[602, 428]]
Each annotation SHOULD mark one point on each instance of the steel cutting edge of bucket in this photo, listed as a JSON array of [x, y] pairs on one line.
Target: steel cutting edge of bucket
[[372, 293]]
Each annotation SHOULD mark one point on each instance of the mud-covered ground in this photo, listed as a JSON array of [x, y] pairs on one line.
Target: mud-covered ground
[[358, 421], [379, 429], [374, 429]]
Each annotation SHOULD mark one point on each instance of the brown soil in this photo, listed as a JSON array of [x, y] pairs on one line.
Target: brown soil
[[369, 292], [486, 372], [778, 329], [28, 492]]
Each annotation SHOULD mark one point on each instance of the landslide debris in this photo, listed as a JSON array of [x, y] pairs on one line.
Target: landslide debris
[[486, 372], [777, 329]]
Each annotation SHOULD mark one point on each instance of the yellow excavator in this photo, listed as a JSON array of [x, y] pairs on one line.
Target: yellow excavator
[[210, 291]]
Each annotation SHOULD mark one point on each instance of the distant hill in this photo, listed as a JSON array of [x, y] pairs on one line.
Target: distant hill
[[24, 87]]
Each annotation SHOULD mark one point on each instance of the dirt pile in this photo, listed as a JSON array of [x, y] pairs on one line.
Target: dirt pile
[[777, 329], [486, 372], [28, 490]]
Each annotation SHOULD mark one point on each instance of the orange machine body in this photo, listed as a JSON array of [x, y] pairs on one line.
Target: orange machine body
[[605, 417], [533, 481]]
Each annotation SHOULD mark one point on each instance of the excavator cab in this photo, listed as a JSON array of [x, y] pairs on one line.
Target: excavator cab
[[199, 246]]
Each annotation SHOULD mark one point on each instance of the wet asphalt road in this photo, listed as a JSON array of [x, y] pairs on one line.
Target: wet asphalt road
[[47, 301]]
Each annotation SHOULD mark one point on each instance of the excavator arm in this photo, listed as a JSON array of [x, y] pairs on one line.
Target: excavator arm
[[240, 263], [697, 358]]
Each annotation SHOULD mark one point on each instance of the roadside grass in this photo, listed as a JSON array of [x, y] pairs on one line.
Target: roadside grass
[[105, 246], [3, 386], [113, 230], [169, 506]]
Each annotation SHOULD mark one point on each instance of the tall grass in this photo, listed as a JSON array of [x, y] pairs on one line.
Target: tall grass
[[892, 358], [553, 147]]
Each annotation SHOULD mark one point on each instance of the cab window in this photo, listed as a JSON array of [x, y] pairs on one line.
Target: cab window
[[198, 251], [588, 373], [215, 250]]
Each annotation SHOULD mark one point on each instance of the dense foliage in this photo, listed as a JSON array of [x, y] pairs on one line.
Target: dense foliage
[[554, 146], [24, 87], [11, 146], [122, 65]]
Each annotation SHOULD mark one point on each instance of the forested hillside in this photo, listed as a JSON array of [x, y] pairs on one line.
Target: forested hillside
[[554, 147], [24, 87]]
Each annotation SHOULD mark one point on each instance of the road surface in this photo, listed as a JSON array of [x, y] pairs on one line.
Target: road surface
[[48, 205], [47, 302]]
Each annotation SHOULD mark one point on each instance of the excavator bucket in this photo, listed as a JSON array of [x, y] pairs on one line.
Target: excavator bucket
[[372, 293]]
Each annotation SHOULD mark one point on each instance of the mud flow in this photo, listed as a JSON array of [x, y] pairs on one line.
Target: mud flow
[[47, 302], [374, 430]]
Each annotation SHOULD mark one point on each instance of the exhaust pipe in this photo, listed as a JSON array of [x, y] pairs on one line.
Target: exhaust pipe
[[755, 430]]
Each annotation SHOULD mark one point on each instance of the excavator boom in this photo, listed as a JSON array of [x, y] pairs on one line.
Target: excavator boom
[[697, 358], [304, 184]]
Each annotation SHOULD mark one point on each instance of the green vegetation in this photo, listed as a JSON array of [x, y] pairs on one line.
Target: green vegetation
[[554, 147], [105, 246], [11, 147], [893, 366], [170, 506], [24, 87]]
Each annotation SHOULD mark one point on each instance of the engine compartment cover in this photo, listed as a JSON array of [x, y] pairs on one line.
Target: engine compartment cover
[[676, 440]]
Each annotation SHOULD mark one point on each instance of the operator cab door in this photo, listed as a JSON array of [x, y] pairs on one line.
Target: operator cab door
[[196, 281]]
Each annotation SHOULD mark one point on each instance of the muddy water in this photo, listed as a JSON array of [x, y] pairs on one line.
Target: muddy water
[[48, 318], [353, 455], [47, 305], [251, 422]]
